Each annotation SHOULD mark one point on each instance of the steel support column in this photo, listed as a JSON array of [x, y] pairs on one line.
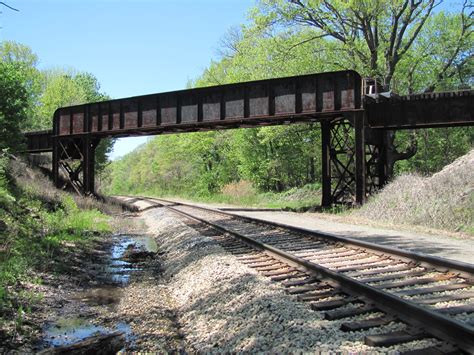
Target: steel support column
[[56, 152], [326, 163], [375, 160], [55, 163], [88, 165], [347, 177], [360, 171], [75, 157], [342, 160]]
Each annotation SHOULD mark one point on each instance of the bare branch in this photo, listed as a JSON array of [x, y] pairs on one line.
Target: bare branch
[[8, 6], [229, 43], [465, 32], [393, 34], [312, 38], [313, 19], [213, 77], [407, 46]]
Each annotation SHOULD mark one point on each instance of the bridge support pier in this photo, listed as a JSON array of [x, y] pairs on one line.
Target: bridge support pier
[[360, 171], [75, 159], [352, 160]]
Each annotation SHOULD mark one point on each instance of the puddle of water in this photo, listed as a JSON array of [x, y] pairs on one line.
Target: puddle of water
[[119, 269], [68, 331], [147, 243], [105, 295]]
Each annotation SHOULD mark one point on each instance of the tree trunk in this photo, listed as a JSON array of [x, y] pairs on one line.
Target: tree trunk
[[312, 174], [392, 155]]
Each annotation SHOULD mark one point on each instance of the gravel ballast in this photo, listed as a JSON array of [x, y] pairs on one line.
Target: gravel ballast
[[225, 306]]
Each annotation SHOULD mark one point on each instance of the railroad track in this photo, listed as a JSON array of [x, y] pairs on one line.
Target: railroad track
[[343, 277]]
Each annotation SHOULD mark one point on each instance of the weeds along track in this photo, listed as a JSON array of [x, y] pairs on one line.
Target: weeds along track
[[348, 279]]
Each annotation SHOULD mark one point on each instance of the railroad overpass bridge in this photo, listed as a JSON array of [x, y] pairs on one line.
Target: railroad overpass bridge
[[352, 115]]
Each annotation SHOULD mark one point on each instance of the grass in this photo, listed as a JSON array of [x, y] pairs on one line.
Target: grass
[[37, 224], [443, 201], [242, 193]]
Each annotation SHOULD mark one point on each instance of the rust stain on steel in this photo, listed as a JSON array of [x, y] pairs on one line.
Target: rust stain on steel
[[274, 101], [39, 141], [453, 108], [314, 94], [335, 99]]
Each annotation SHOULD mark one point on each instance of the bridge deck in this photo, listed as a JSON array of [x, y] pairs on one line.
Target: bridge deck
[[39, 141], [311, 98], [443, 109], [216, 107]]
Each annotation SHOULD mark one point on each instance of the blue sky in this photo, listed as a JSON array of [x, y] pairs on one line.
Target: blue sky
[[132, 47]]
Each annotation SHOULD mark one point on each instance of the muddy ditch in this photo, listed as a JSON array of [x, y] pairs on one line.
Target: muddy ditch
[[91, 318]]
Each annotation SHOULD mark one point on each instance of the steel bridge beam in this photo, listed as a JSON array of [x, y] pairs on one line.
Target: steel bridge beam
[[430, 110], [352, 124], [253, 103]]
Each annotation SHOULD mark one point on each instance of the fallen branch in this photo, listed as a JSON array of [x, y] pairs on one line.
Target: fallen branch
[[99, 344]]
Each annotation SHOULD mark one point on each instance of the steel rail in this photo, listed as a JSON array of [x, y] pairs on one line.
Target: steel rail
[[465, 269], [432, 322]]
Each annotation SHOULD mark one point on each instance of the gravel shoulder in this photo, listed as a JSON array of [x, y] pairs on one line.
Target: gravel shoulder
[[222, 305], [193, 296]]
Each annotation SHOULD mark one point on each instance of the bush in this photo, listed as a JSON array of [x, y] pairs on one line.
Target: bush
[[13, 105], [242, 188]]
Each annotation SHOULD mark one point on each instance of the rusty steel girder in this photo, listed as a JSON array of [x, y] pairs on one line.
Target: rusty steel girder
[[351, 122], [429, 110], [249, 104]]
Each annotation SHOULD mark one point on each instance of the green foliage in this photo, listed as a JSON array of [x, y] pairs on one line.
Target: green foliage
[[67, 88], [391, 40], [296, 199], [33, 232], [442, 64], [201, 164], [5, 195], [204, 169], [29, 96], [25, 62], [13, 105], [436, 148]]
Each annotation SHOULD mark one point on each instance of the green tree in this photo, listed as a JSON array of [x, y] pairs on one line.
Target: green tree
[[375, 35], [273, 158], [14, 97], [60, 89], [380, 39], [68, 88], [50, 89], [25, 62]]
